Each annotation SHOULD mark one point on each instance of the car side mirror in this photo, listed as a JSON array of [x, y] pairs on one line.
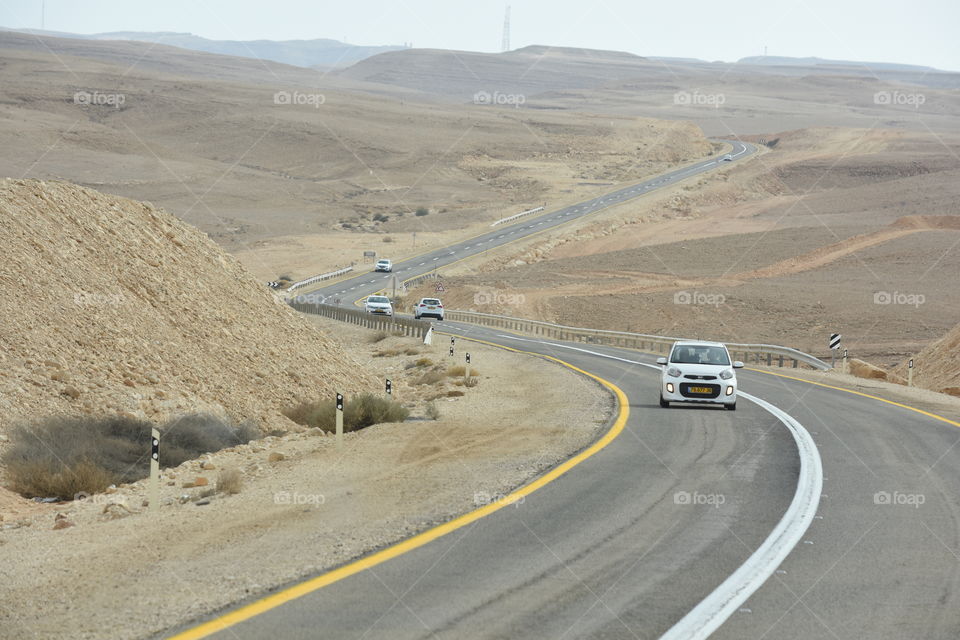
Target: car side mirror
[[737, 364], [662, 360]]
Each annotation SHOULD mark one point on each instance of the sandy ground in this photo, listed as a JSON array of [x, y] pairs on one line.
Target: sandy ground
[[317, 508]]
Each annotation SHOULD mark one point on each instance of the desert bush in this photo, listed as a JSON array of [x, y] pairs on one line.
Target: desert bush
[[378, 336], [359, 412], [63, 456], [380, 217], [422, 211], [455, 393], [471, 382], [229, 481], [424, 362], [433, 411], [387, 239]]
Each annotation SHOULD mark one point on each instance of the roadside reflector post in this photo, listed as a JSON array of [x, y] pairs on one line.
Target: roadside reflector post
[[389, 387], [339, 420], [834, 344], [468, 358], [845, 361], [154, 496], [910, 373]]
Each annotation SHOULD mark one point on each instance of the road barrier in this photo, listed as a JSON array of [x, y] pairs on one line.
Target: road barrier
[[416, 281], [322, 276], [393, 324], [517, 215], [768, 354]]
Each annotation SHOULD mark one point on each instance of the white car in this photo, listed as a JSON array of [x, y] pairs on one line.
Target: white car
[[429, 307], [728, 158], [698, 371], [384, 265], [379, 305]]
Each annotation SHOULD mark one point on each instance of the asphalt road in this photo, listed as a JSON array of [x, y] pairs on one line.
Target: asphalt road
[[628, 542], [361, 285], [616, 547]]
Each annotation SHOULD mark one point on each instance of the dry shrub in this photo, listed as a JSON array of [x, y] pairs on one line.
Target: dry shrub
[[359, 412], [433, 411], [229, 481], [378, 336], [455, 393], [63, 456]]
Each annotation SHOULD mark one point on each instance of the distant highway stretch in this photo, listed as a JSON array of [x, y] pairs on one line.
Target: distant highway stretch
[[364, 284]]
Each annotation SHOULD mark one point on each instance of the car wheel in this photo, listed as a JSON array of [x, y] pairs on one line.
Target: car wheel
[[730, 407], [664, 403]]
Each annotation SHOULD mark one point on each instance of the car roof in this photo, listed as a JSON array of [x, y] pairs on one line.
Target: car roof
[[697, 343]]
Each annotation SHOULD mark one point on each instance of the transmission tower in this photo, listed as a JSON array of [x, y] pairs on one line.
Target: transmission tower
[[505, 45]]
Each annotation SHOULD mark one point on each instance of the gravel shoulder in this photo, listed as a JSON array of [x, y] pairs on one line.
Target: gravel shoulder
[[123, 572]]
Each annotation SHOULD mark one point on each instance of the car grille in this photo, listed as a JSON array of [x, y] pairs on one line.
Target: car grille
[[686, 389], [693, 377]]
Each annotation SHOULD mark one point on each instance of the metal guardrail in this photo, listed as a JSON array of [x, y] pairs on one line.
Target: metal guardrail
[[406, 326], [769, 354], [322, 276], [517, 215]]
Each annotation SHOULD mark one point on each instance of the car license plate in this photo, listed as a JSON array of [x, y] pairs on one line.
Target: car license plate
[[700, 390], [431, 308]]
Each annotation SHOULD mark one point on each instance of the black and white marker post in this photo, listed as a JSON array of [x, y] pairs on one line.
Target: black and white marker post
[[910, 373], [389, 387], [451, 345], [845, 361], [154, 498], [834, 345], [339, 420]]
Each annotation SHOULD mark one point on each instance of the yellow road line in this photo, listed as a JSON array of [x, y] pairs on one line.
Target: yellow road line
[[309, 586], [865, 395]]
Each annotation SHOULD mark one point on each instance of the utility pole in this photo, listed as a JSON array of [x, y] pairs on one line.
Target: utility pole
[[505, 43]]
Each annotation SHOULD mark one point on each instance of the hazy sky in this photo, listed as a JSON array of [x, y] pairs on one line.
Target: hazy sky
[[917, 32]]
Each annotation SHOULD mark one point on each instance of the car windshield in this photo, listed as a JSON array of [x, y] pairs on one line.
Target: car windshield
[[699, 354], [378, 299], [430, 301]]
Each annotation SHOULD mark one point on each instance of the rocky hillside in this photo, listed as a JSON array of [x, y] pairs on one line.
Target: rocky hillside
[[938, 366], [113, 306]]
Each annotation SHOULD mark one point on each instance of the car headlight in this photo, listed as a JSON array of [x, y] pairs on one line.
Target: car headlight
[[669, 387], [673, 372], [726, 374]]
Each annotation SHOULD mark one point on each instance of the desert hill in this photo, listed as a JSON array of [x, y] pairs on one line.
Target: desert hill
[[937, 367], [207, 138], [319, 52], [113, 306]]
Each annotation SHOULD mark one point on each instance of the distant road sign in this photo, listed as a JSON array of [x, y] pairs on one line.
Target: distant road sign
[[835, 340], [440, 288]]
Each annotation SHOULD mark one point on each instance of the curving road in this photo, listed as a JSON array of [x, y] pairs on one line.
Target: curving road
[[627, 543]]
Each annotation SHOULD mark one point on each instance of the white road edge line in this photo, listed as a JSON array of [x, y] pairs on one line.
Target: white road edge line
[[713, 611]]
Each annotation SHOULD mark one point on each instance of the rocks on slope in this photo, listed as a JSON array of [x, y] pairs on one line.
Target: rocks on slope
[[110, 305]]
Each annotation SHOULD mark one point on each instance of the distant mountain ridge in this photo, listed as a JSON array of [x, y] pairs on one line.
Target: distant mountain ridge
[[321, 52], [813, 61]]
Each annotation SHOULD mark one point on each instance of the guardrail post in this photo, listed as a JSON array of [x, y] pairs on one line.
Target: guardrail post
[[780, 364], [794, 364], [769, 358]]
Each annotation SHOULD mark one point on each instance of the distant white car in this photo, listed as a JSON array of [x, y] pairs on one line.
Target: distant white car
[[379, 305], [698, 371], [728, 158], [429, 307], [384, 265]]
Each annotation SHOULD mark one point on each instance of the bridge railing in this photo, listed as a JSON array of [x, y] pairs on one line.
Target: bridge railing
[[393, 324], [768, 354]]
